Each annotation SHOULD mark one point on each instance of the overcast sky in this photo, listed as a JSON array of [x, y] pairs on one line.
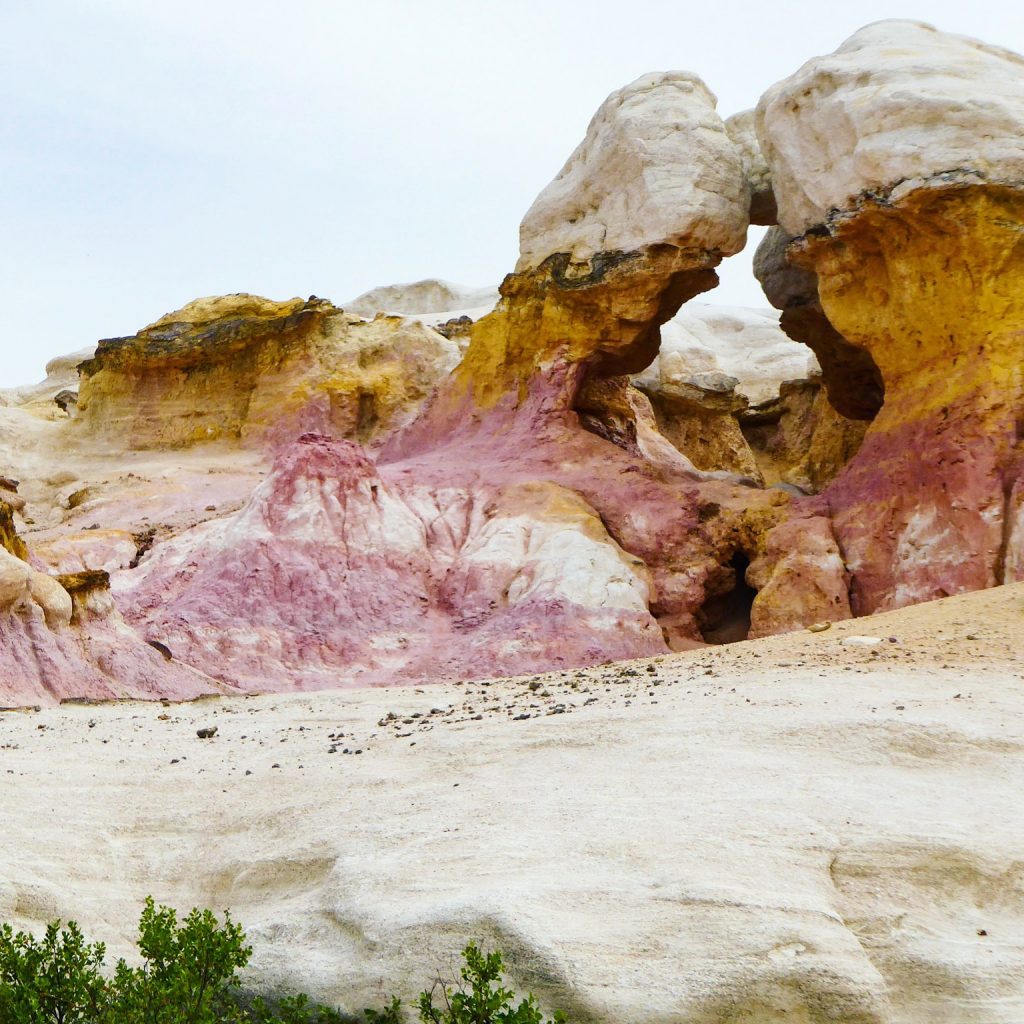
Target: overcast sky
[[152, 151]]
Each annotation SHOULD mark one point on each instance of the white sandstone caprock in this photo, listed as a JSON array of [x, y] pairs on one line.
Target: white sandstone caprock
[[656, 166], [899, 103], [742, 129]]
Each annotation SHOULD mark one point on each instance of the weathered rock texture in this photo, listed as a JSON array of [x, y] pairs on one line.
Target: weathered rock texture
[[798, 438], [786, 830], [927, 508], [333, 575], [746, 344], [631, 227], [243, 367], [536, 511], [422, 299], [742, 129], [589, 482], [63, 637], [898, 104], [714, 364], [909, 175], [852, 380], [699, 417]]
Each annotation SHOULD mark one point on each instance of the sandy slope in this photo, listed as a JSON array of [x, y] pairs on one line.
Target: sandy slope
[[784, 830]]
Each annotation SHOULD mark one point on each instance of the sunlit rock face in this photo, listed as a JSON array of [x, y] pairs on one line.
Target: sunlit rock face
[[246, 368], [907, 173], [630, 228]]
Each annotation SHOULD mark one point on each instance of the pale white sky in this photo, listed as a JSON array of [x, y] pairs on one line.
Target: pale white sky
[[152, 151]]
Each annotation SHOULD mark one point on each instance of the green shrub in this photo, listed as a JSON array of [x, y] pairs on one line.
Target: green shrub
[[189, 975], [53, 980], [187, 969], [480, 997]]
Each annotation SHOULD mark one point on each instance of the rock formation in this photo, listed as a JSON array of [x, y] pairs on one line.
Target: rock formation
[[698, 415], [851, 378], [588, 472], [243, 367], [797, 438], [630, 228], [715, 366], [742, 129], [63, 637], [61, 379], [426, 299], [335, 574], [537, 510], [903, 181], [251, 495]]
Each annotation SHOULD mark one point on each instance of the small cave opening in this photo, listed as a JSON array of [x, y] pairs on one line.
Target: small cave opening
[[724, 618]]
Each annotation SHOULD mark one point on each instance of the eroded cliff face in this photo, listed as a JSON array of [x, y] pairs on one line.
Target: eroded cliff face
[[62, 637], [240, 367], [928, 507], [336, 573], [912, 229], [798, 439], [599, 474], [851, 378], [631, 227]]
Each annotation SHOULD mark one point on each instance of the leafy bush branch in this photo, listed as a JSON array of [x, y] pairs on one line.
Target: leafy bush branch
[[189, 975]]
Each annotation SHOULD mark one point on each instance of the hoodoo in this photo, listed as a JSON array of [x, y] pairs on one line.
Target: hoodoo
[[630, 228], [903, 184]]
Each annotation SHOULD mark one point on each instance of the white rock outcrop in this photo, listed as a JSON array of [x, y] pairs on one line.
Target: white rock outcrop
[[898, 103], [421, 299], [746, 344], [742, 129], [656, 166]]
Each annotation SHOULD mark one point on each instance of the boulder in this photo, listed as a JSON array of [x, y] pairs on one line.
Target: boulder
[[630, 228], [897, 105]]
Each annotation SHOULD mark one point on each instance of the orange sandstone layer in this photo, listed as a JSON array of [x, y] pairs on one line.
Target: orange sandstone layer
[[931, 284], [243, 367]]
